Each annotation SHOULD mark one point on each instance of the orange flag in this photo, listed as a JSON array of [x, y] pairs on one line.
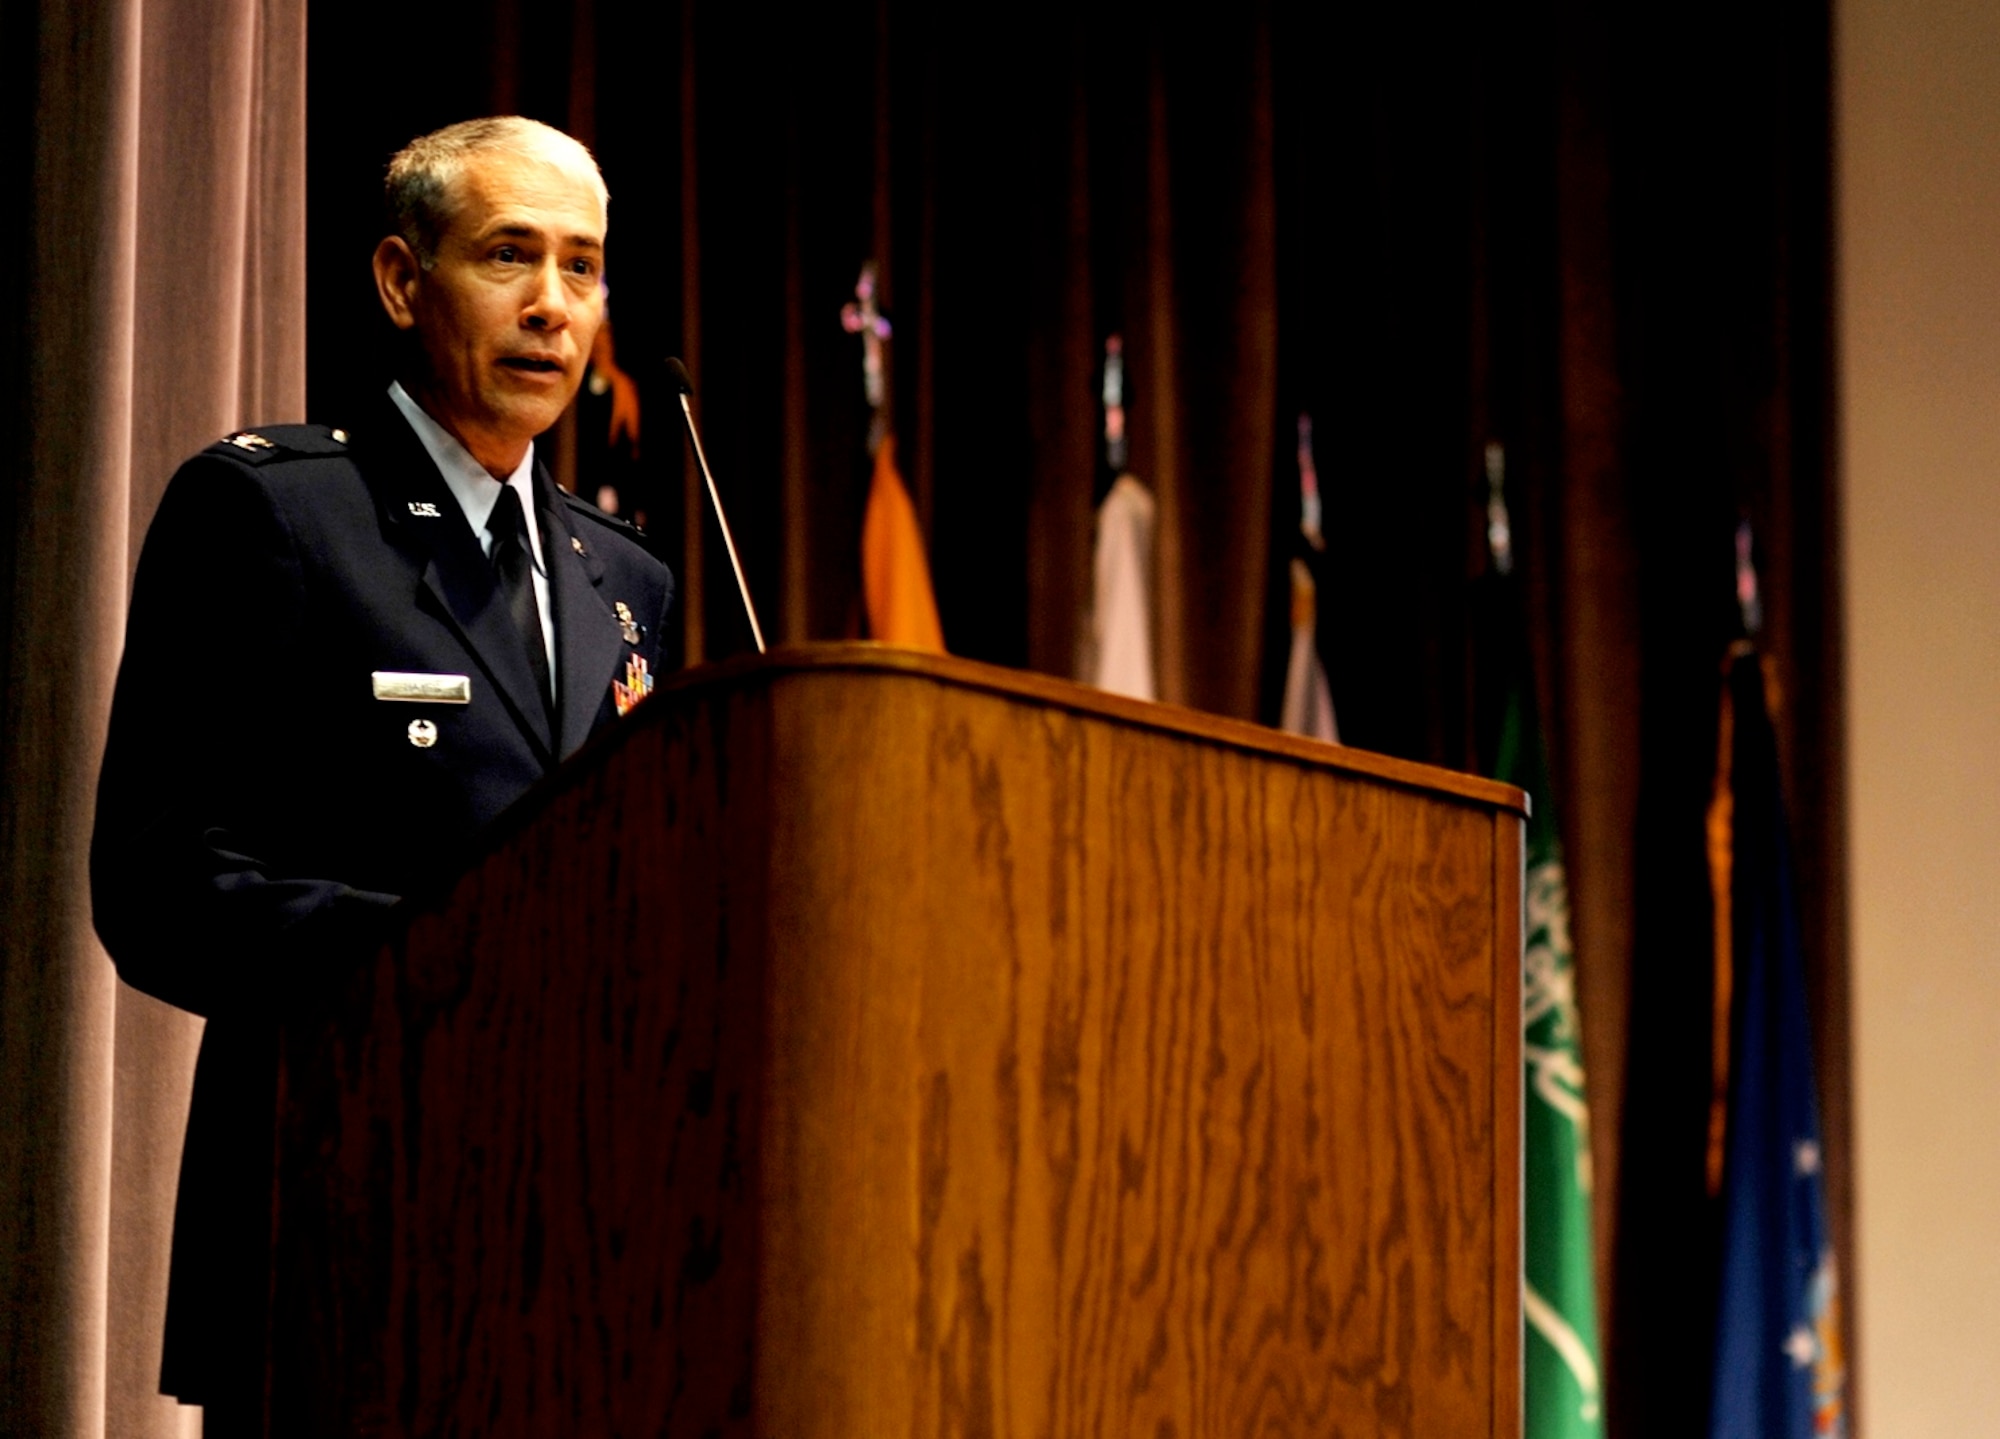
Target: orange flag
[[895, 574]]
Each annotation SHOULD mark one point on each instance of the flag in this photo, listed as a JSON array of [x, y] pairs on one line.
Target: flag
[[1118, 653], [895, 573], [1780, 1369], [1307, 708], [1564, 1388]]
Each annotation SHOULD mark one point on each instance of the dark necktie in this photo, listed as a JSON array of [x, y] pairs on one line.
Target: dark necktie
[[513, 565]]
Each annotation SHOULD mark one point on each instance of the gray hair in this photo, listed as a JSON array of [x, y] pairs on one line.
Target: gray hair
[[419, 190]]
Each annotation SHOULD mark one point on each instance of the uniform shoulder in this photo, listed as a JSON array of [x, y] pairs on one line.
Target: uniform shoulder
[[275, 444], [585, 509]]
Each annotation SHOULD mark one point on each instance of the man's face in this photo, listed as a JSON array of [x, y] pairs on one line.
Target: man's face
[[506, 316]]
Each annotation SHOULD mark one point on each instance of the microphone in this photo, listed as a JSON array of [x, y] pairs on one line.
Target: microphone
[[677, 372]]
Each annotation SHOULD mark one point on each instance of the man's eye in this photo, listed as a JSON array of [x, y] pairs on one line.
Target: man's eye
[[506, 254], [583, 267]]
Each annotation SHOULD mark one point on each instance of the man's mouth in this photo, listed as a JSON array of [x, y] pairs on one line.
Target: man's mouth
[[533, 365]]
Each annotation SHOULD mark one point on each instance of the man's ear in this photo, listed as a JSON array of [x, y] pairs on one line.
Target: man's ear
[[397, 275]]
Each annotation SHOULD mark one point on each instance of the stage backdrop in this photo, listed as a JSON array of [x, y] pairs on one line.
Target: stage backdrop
[[1596, 237]]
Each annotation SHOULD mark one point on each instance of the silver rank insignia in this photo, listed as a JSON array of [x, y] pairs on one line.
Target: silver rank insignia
[[627, 626], [423, 733], [245, 440]]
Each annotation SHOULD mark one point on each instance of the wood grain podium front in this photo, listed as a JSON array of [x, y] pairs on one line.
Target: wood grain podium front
[[856, 1043]]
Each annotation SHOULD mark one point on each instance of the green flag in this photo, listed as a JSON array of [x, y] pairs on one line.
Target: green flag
[[1564, 1383]]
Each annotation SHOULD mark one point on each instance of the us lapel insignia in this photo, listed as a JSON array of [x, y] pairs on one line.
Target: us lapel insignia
[[627, 626], [636, 685], [423, 733], [424, 509]]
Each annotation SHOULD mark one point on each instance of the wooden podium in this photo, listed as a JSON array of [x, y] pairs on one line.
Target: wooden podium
[[856, 1043]]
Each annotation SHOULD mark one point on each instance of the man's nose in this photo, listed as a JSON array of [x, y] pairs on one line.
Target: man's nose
[[548, 303]]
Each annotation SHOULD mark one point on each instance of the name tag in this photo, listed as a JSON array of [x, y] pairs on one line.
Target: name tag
[[422, 689]]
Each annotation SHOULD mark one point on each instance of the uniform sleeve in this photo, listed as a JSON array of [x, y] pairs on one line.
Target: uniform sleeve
[[184, 889]]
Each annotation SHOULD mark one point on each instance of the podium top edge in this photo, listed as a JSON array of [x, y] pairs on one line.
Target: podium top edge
[[867, 656]]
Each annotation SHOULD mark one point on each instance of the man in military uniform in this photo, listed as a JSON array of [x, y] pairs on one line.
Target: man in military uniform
[[349, 651]]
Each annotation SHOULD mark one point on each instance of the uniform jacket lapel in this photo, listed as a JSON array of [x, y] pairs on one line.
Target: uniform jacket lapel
[[589, 646], [457, 577]]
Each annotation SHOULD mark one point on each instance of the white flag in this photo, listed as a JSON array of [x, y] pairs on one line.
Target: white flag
[[1118, 652]]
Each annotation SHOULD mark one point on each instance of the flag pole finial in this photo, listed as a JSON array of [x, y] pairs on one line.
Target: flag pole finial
[[1749, 602], [1499, 529], [1312, 512], [863, 316], [1116, 456]]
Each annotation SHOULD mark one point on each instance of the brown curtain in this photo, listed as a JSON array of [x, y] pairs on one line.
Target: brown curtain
[[158, 301], [1595, 234]]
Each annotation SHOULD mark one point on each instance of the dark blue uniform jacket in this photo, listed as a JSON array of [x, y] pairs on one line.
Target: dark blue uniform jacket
[[261, 811]]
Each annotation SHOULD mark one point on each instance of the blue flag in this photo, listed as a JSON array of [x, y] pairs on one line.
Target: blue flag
[[1779, 1360]]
